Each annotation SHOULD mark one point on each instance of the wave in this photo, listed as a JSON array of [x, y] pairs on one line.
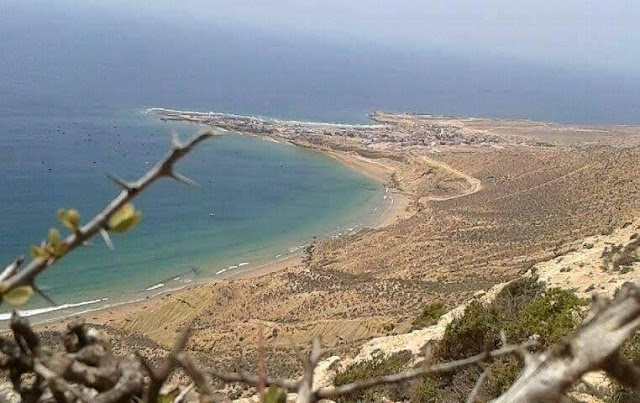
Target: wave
[[243, 264], [38, 311], [155, 287]]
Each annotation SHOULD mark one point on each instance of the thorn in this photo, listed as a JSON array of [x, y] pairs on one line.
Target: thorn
[[119, 181], [43, 295], [183, 179], [106, 238], [175, 140]]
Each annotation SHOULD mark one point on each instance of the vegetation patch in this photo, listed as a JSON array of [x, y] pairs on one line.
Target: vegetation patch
[[429, 316], [378, 366], [524, 310]]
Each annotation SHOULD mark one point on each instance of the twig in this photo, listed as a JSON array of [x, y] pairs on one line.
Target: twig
[[200, 379], [473, 396], [332, 392], [183, 394], [159, 376], [163, 169], [262, 363], [53, 380], [594, 346], [305, 388]]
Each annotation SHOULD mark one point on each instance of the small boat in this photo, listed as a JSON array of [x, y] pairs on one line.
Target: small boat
[[211, 214]]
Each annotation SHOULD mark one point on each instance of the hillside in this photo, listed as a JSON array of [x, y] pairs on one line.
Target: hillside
[[478, 215], [476, 204]]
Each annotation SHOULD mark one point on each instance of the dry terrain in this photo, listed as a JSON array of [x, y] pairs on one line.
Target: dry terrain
[[486, 200]]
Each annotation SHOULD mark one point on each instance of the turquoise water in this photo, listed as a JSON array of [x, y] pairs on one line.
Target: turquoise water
[[257, 200]]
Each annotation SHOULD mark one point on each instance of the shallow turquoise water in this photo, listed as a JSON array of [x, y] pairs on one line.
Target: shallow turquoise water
[[257, 200]]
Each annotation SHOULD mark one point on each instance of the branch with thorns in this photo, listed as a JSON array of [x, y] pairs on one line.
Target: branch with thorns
[[13, 276]]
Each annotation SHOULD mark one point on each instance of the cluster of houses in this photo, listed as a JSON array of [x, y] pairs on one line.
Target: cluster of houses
[[398, 130]]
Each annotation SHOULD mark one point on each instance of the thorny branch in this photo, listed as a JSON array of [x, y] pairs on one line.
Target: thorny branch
[[88, 370], [12, 277]]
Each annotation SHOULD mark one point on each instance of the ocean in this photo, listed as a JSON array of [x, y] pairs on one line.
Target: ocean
[[77, 76], [258, 201]]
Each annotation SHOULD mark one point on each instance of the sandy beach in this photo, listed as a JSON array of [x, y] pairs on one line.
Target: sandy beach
[[395, 210]]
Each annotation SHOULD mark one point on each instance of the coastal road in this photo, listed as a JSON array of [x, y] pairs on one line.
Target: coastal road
[[474, 184]]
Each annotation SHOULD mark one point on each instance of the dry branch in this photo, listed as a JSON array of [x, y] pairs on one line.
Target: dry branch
[[159, 376], [595, 346], [328, 393], [476, 388], [88, 363]]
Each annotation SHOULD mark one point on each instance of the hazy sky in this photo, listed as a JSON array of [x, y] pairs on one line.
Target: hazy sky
[[592, 34]]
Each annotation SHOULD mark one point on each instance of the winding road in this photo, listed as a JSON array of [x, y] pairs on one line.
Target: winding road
[[474, 184]]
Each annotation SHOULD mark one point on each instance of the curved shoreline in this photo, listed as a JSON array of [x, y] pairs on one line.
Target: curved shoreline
[[372, 169]]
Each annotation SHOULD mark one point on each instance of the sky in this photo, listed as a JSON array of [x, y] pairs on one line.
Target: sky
[[587, 34]]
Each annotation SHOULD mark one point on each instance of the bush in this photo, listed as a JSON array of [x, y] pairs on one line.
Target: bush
[[477, 330], [378, 366], [516, 295], [523, 309], [551, 317], [502, 374], [429, 316], [429, 390]]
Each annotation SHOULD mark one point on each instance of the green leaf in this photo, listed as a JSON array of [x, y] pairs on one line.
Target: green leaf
[[54, 241], [275, 395], [40, 252], [124, 219], [69, 218], [18, 296]]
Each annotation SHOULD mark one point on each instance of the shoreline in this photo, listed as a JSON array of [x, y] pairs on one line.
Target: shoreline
[[380, 173]]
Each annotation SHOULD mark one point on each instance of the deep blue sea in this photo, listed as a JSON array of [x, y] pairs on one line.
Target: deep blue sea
[[76, 76]]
